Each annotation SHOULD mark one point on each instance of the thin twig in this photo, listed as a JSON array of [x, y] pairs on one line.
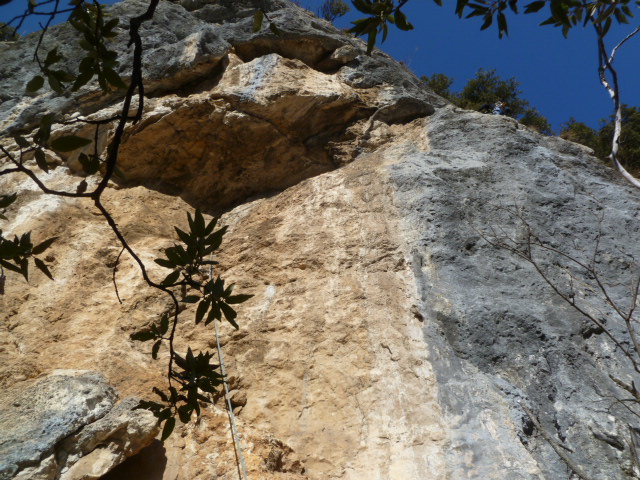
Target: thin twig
[[115, 269], [557, 446]]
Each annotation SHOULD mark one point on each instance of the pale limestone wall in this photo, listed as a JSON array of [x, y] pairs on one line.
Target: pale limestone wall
[[373, 348]]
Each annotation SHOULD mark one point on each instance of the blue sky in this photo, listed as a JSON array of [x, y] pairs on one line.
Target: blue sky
[[557, 75]]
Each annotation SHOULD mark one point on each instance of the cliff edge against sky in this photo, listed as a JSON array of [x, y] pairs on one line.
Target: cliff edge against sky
[[387, 339]]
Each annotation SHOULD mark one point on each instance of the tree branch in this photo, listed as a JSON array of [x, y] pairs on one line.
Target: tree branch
[[557, 446]]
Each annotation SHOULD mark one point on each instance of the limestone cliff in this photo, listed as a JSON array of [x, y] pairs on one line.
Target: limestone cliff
[[386, 339]]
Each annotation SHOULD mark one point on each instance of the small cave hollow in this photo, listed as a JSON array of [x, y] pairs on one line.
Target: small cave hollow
[[148, 464], [217, 153]]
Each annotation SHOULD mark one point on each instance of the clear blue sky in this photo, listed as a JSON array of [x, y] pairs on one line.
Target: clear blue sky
[[557, 75]]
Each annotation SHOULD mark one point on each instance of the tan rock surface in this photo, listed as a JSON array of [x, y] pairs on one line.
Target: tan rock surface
[[385, 339], [329, 355]]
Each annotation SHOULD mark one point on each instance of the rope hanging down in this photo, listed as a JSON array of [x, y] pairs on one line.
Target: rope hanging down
[[232, 419]]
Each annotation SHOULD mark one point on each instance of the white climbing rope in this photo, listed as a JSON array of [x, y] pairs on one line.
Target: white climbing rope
[[234, 429]]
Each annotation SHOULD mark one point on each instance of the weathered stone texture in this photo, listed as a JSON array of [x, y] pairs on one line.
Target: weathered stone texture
[[67, 425], [386, 339]]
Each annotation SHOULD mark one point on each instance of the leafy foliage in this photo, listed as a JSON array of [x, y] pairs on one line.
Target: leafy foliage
[[332, 9], [441, 84], [536, 121], [380, 13], [600, 140], [94, 31], [579, 132], [487, 87], [15, 254], [191, 264], [564, 14], [192, 377], [7, 33]]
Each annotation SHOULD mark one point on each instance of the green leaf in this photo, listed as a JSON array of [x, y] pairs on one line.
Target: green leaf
[[164, 324], [460, 6], [173, 256], [10, 266], [502, 25], [41, 247], [104, 86], [230, 314], [113, 78], [68, 143], [52, 57], [43, 267], [41, 160], [62, 76], [488, 20], [164, 414], [82, 80], [9, 250], [44, 132], [85, 45], [191, 299], [35, 84], [21, 141], [190, 358], [143, 336], [202, 310], [55, 84], [620, 17], [168, 428], [24, 268], [258, 17], [87, 65], [147, 405], [401, 21], [184, 412], [274, 29], [90, 163], [214, 313], [110, 25], [534, 7], [180, 361], [385, 31], [371, 41], [199, 224], [171, 278], [165, 263], [549, 21], [235, 299], [161, 394], [211, 226], [6, 200], [185, 237], [155, 348]]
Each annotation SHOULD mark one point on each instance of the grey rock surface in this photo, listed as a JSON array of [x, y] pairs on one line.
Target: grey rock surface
[[59, 425], [499, 335], [185, 44], [37, 418]]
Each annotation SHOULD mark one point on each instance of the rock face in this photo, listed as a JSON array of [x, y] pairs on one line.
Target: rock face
[[387, 339], [67, 425]]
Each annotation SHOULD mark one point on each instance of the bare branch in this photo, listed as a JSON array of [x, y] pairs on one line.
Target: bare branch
[[115, 270], [557, 446]]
